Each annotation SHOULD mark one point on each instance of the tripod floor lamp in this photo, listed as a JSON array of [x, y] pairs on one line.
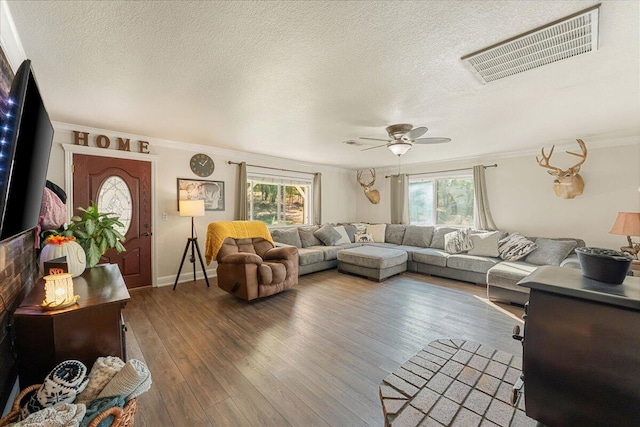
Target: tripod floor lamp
[[192, 208]]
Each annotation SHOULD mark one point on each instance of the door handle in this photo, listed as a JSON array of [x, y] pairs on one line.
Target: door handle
[[147, 234]]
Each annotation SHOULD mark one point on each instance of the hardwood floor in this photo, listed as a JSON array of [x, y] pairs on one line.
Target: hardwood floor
[[311, 356]]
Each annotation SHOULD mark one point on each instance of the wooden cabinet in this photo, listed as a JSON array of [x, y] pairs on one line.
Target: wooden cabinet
[[85, 331], [581, 354]]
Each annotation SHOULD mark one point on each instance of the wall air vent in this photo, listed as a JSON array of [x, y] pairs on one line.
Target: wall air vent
[[567, 37]]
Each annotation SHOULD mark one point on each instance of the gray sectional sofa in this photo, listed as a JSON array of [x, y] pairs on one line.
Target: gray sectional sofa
[[426, 254]]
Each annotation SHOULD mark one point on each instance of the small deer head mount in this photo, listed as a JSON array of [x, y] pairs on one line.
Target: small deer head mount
[[568, 183], [372, 195]]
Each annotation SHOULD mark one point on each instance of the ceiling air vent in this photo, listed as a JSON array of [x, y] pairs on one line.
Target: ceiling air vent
[[567, 37]]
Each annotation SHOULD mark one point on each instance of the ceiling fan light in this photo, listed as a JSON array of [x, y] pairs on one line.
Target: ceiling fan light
[[399, 148]]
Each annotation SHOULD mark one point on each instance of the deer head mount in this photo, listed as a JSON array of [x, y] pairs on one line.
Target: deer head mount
[[568, 183], [372, 195]]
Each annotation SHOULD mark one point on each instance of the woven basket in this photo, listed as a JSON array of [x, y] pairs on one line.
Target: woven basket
[[122, 417]]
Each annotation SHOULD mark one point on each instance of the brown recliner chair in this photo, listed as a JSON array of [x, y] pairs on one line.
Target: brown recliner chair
[[252, 268]]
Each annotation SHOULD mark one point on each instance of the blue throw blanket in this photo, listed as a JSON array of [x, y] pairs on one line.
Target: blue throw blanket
[[97, 406]]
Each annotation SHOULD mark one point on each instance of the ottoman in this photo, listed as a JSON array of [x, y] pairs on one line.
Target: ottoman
[[372, 262]]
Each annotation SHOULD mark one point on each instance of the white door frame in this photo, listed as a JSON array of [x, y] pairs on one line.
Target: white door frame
[[71, 149]]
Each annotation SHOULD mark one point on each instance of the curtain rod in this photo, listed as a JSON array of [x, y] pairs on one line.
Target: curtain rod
[[495, 165], [275, 169]]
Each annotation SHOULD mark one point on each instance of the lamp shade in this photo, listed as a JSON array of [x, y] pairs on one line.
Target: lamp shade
[[191, 207], [627, 224], [399, 148], [58, 291]]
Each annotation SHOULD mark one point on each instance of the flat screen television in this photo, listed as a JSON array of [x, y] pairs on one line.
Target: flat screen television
[[25, 146]]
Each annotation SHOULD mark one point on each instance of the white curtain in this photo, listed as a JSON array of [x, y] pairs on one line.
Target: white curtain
[[399, 199], [241, 191], [481, 210], [317, 198]]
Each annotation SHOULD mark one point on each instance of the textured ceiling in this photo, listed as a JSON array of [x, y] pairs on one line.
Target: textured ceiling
[[295, 79]]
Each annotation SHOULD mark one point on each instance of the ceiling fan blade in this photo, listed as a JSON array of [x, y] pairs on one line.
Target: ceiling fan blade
[[371, 148], [375, 139], [432, 140], [415, 133]]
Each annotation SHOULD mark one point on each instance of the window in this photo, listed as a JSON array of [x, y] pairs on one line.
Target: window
[[442, 200], [114, 197], [279, 198]]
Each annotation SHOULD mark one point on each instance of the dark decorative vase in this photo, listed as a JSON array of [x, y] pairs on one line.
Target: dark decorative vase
[[604, 265]]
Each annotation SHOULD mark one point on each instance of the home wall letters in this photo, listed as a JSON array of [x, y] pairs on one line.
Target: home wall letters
[[103, 141]]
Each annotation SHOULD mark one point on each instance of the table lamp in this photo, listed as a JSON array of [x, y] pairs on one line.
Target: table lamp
[[628, 224], [58, 291], [192, 208]]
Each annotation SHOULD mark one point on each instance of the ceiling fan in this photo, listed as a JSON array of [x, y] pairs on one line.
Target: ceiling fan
[[402, 137]]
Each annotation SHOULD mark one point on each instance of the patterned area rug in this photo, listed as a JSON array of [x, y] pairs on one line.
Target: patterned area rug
[[454, 383]]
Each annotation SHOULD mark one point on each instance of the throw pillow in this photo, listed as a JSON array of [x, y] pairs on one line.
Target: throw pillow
[[457, 241], [377, 231], [438, 236], [307, 238], [485, 244], [364, 238], [327, 235], [418, 235], [515, 246], [344, 237], [550, 252], [288, 236], [394, 233], [351, 231], [361, 227]]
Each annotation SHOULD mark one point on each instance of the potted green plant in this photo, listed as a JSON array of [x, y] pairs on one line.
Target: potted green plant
[[96, 232]]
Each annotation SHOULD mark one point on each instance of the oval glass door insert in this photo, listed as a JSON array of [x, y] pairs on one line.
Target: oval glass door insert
[[114, 197]]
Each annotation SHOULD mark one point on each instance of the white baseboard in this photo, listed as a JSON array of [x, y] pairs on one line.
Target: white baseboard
[[185, 276]]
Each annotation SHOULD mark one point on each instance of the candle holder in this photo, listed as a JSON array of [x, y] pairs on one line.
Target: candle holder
[[58, 292]]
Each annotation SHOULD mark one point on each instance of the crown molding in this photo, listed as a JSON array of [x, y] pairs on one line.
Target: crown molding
[[561, 145], [233, 155], [9, 38]]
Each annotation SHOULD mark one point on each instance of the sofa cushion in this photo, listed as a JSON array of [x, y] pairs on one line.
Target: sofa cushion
[[479, 264], [408, 249], [310, 256], [327, 234], [307, 238], [330, 252], [550, 252], [377, 231], [515, 246], [350, 245], [372, 257], [507, 274], [418, 235], [437, 242], [571, 261], [394, 233], [457, 241], [431, 256], [485, 244], [344, 237], [288, 236]]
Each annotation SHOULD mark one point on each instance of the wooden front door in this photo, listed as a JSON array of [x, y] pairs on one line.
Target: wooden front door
[[122, 186]]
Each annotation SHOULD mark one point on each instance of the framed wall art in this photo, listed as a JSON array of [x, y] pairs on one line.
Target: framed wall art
[[212, 192]]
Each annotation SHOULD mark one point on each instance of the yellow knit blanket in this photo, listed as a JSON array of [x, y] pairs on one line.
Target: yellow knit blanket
[[218, 231]]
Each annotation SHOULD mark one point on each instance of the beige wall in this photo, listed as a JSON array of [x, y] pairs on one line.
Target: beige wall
[[522, 198], [173, 162]]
